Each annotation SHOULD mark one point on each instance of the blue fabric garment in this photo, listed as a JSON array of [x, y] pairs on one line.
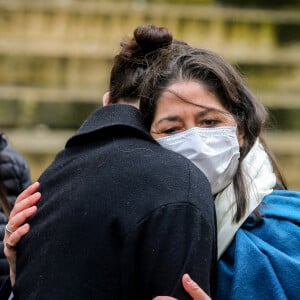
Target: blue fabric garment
[[263, 261]]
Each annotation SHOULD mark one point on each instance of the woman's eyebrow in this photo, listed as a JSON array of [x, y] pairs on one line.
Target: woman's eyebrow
[[169, 118], [204, 112], [210, 109]]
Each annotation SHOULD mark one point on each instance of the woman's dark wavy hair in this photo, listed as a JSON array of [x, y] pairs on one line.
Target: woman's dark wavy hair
[[181, 63]]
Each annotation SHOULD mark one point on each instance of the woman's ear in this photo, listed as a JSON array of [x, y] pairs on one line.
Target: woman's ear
[[106, 99]]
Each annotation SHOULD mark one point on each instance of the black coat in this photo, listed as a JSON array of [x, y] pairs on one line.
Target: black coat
[[15, 177], [120, 218]]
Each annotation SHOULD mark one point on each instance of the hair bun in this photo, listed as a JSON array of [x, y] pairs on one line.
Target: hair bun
[[150, 37]]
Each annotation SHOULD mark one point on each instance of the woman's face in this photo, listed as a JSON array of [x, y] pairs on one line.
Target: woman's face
[[189, 104]]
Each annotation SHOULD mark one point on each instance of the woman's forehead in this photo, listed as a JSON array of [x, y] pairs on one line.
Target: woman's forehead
[[188, 95]]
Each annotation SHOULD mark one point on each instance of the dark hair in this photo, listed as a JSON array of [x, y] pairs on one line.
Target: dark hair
[[136, 55], [191, 64]]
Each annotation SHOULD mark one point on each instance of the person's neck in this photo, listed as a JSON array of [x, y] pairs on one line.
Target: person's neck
[[136, 103]]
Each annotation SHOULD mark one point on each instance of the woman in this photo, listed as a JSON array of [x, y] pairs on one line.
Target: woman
[[196, 104]]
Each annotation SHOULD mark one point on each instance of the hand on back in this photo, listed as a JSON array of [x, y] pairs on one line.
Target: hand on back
[[24, 208], [191, 287]]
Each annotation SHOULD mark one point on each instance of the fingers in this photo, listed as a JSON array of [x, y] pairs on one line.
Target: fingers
[[23, 209], [193, 288], [21, 217], [13, 240], [164, 298], [26, 199], [10, 241], [18, 231], [28, 192]]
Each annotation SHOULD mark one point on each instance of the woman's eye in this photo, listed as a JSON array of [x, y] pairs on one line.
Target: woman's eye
[[209, 122], [170, 130]]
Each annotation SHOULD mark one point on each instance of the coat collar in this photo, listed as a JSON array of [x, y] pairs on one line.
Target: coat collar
[[110, 116]]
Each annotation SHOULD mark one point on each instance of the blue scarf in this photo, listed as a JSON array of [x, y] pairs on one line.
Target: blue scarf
[[263, 260]]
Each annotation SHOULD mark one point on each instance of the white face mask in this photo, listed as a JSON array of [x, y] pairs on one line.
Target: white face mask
[[215, 151]]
